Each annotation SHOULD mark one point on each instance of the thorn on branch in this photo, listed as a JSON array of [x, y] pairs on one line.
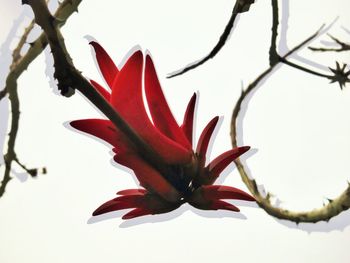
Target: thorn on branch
[[330, 200], [3, 93]]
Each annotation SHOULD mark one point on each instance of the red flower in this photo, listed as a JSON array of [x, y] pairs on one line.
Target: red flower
[[186, 178]]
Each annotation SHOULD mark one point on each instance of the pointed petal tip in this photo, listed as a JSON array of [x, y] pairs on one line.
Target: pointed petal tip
[[216, 119], [233, 208], [244, 149], [92, 43], [205, 137], [74, 124], [137, 54], [148, 57], [97, 212], [137, 212]]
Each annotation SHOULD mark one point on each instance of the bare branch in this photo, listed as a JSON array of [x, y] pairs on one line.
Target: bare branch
[[241, 6], [342, 46], [18, 66], [16, 55], [325, 213]]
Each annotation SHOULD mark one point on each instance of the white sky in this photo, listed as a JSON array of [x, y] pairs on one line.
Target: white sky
[[298, 123]]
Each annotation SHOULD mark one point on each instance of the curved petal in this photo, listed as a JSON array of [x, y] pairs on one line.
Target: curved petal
[[150, 202], [111, 206], [132, 192], [204, 140], [148, 177], [137, 212], [108, 69], [219, 204], [162, 117], [213, 192], [222, 161], [127, 100], [187, 125], [101, 90], [103, 129]]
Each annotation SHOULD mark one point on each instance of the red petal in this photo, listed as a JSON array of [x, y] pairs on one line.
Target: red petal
[[136, 200], [132, 192], [111, 206], [127, 100], [187, 125], [222, 161], [212, 192], [162, 117], [204, 139], [103, 129], [137, 212], [101, 90], [108, 69], [147, 176], [219, 204]]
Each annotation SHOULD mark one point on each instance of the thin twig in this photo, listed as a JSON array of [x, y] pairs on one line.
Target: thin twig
[[18, 66], [307, 70], [239, 7], [325, 213], [16, 54], [342, 46]]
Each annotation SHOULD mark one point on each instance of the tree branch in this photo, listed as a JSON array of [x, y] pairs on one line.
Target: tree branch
[[342, 46], [18, 66], [325, 213], [240, 6]]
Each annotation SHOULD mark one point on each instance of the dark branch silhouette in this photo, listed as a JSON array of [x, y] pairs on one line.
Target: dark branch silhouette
[[342, 46], [241, 6]]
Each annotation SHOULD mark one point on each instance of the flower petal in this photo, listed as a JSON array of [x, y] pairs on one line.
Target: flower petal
[[202, 203], [108, 69], [187, 125], [212, 192], [103, 129], [132, 192], [111, 206], [148, 177], [204, 140], [137, 212], [128, 102], [216, 166], [101, 90], [219, 204], [162, 117]]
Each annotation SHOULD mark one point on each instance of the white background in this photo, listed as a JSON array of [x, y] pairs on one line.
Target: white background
[[298, 124]]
